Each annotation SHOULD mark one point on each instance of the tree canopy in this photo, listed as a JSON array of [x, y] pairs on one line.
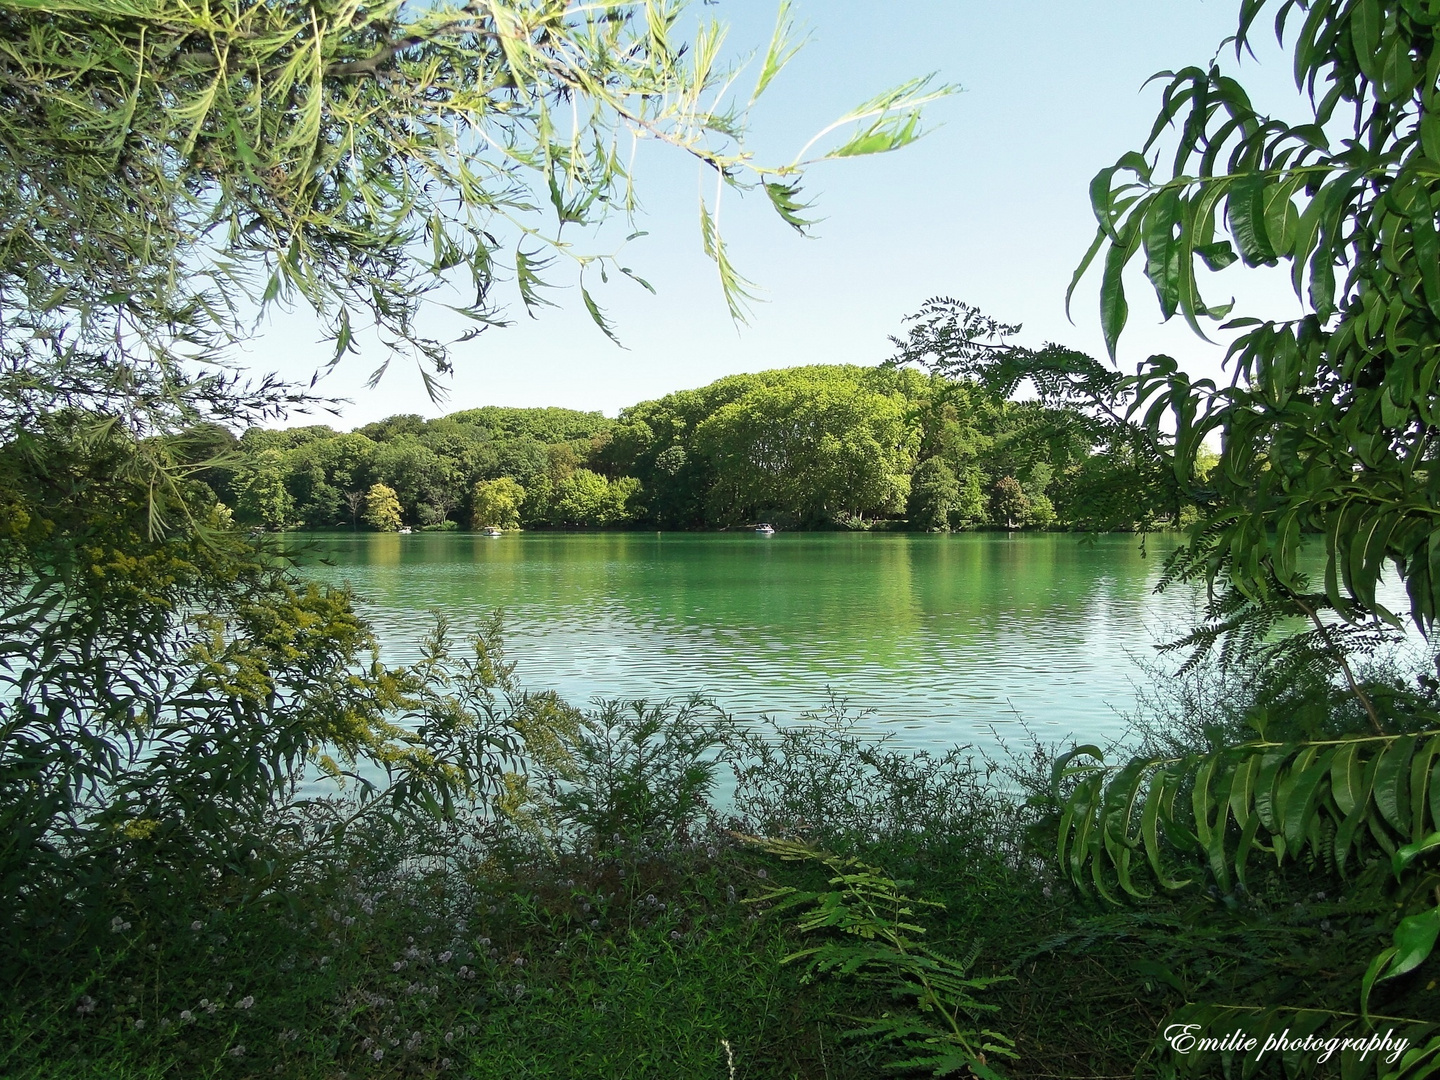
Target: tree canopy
[[817, 446], [168, 167]]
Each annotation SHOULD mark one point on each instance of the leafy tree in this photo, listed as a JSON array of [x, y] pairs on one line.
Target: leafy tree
[[496, 503], [382, 508], [162, 694], [962, 424], [1039, 511], [581, 498], [1328, 426], [934, 496], [1009, 504], [524, 459], [1112, 471], [468, 451], [368, 155], [808, 445], [970, 509], [171, 171], [263, 498], [545, 425], [561, 459], [587, 498], [423, 481], [393, 427], [347, 464]]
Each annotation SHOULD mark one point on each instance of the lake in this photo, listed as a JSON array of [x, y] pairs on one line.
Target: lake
[[940, 640]]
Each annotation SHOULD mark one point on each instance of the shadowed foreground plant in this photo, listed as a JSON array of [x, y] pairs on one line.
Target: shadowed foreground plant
[[1365, 810], [634, 769], [882, 948]]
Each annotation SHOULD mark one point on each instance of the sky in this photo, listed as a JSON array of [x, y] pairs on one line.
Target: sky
[[991, 207]]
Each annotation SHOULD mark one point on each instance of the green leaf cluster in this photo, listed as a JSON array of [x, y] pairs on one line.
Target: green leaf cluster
[[816, 446], [164, 698], [869, 933], [1355, 807], [382, 508], [496, 504], [1327, 421], [822, 445], [351, 155]]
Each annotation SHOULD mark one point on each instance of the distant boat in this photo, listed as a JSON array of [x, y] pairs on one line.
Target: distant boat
[[765, 530], [491, 530], [405, 529]]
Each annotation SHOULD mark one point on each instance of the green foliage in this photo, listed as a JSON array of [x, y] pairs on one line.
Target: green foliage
[[382, 508], [636, 770], [881, 946], [934, 500], [1009, 504], [820, 780], [411, 944], [496, 503], [640, 950], [1352, 807], [809, 447], [1039, 511], [166, 685], [261, 495], [1340, 801], [819, 446], [587, 498], [366, 152], [452, 940], [164, 697], [1328, 425], [816, 446], [420, 480], [1325, 428], [548, 425], [1110, 471], [197, 165]]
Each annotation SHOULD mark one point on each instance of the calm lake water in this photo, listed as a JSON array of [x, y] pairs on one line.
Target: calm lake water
[[940, 639]]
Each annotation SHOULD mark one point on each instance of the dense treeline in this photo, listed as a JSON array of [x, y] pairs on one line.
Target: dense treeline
[[809, 447]]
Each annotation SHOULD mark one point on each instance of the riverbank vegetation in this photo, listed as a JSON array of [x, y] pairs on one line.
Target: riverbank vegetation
[[608, 911], [825, 446]]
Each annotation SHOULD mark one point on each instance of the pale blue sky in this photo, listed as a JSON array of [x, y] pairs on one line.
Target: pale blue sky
[[991, 208]]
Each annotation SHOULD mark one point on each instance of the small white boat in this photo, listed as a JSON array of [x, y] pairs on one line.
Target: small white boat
[[493, 531], [405, 529], [765, 530]]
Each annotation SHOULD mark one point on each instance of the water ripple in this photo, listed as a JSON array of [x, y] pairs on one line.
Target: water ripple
[[939, 639]]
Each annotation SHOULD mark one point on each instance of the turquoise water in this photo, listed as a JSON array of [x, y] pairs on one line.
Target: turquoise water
[[939, 640]]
